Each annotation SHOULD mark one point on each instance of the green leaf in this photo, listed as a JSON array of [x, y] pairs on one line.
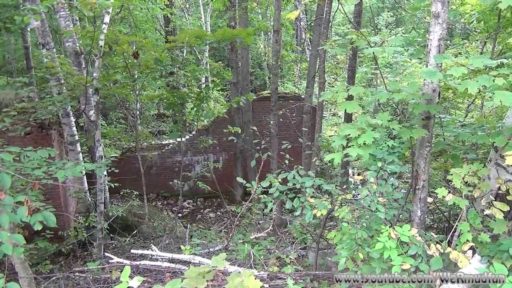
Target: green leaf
[[500, 205], [12, 285], [484, 238], [504, 4], [49, 219], [432, 74], [503, 97], [436, 263], [125, 275], [243, 279], [499, 226], [292, 15], [4, 221], [197, 277], [5, 181], [136, 281], [122, 285], [175, 283], [457, 71], [6, 248], [350, 106], [18, 239], [499, 268], [219, 261], [441, 192], [22, 213]]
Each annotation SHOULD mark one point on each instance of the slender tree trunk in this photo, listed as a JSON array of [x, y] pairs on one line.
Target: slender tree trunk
[[279, 221], [499, 171], [94, 132], [236, 111], [301, 37], [431, 91], [90, 104], [25, 275], [321, 84], [29, 62], [496, 34], [138, 140], [206, 21], [351, 76], [303, 45], [76, 186], [245, 90], [10, 55], [307, 136], [274, 84], [169, 23]]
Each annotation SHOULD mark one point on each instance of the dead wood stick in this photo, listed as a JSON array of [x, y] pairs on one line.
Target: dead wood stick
[[115, 259]]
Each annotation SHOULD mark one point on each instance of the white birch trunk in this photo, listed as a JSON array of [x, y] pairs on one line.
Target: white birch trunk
[[76, 186], [206, 22], [431, 90], [97, 151], [499, 172]]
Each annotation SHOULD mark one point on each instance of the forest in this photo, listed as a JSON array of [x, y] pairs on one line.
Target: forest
[[254, 143]]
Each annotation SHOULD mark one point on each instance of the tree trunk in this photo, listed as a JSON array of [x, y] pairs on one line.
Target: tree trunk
[[351, 76], [301, 38], [279, 221], [29, 62], [169, 24], [244, 92], [89, 101], [236, 111], [499, 171], [431, 91], [10, 55], [307, 153], [274, 84], [206, 22], [94, 132], [25, 275], [76, 185], [321, 84]]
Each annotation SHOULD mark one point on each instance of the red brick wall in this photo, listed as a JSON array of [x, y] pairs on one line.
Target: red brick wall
[[55, 194], [165, 163]]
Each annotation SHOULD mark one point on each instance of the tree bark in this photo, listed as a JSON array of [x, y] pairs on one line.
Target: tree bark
[[351, 76], [279, 221], [431, 91], [90, 104], [236, 111], [206, 22], [29, 62], [274, 84], [499, 171], [244, 92], [301, 38], [96, 149], [25, 275], [76, 185], [321, 84], [307, 153], [169, 24]]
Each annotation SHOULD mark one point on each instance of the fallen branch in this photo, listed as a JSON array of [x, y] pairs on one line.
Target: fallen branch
[[191, 259], [115, 259], [213, 249]]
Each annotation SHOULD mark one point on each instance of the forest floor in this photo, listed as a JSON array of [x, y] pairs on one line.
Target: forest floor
[[208, 223]]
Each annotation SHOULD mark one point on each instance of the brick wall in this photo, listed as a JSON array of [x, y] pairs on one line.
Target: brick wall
[[38, 137], [187, 161], [178, 167]]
